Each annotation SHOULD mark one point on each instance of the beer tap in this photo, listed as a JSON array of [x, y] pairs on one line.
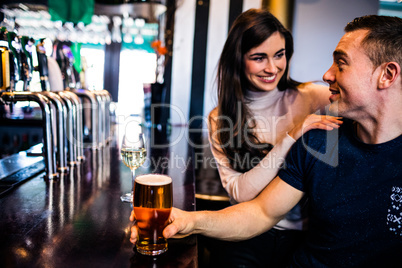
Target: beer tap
[[100, 124], [108, 118], [5, 60], [95, 116], [65, 59], [71, 122], [78, 141], [61, 118], [47, 125], [15, 58], [105, 98], [42, 65], [26, 61]]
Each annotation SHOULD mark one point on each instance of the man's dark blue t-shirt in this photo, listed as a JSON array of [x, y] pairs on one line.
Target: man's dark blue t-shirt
[[354, 195]]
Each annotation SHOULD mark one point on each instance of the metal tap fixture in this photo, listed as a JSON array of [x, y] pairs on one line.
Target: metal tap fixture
[[71, 121], [75, 141], [47, 124], [61, 120], [88, 97], [79, 136]]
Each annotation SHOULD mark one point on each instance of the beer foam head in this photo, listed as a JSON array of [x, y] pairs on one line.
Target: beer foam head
[[153, 179]]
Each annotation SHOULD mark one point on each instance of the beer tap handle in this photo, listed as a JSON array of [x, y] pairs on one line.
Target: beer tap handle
[[42, 65]]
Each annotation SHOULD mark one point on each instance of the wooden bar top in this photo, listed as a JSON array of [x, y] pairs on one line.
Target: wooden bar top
[[79, 221]]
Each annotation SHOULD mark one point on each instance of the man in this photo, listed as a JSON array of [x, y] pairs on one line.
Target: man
[[353, 181]]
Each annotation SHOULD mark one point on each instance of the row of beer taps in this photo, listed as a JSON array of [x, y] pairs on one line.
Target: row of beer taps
[[63, 123], [66, 114]]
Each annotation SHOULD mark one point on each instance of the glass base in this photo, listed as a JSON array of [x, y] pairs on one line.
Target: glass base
[[127, 198], [149, 252]]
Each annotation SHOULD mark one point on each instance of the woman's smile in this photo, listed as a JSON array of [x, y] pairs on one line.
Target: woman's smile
[[268, 79]]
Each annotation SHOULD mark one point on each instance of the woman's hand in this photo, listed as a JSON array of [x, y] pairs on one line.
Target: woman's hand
[[181, 224], [314, 121]]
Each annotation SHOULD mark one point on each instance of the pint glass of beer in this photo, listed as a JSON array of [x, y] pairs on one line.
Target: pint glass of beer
[[152, 206]]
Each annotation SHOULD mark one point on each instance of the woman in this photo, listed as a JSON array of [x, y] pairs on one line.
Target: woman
[[261, 112]]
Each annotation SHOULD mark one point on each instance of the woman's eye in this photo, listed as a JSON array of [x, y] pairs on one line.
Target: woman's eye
[[258, 58], [280, 55]]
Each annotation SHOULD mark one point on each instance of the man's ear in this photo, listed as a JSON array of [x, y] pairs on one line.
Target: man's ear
[[390, 72]]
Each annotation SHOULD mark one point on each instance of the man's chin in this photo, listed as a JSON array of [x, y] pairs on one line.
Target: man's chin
[[333, 108]]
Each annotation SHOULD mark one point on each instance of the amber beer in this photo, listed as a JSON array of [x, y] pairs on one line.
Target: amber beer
[[152, 204]]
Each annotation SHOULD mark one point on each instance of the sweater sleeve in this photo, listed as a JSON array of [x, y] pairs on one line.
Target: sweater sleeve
[[245, 186]]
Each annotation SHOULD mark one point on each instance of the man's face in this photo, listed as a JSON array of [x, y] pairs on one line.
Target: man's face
[[352, 78]]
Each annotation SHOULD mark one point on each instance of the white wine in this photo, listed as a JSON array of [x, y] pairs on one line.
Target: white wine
[[133, 158]]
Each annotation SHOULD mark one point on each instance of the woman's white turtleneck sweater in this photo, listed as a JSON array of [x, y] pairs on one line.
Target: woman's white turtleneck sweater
[[275, 113]]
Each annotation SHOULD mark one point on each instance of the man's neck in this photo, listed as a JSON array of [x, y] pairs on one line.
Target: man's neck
[[378, 132], [382, 122]]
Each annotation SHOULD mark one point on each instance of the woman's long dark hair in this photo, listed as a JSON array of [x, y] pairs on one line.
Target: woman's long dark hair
[[234, 130]]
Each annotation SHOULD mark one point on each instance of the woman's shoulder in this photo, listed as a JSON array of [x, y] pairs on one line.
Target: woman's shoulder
[[312, 88], [315, 94], [212, 117], [213, 114]]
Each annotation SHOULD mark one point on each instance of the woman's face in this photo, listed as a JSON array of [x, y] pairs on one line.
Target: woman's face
[[265, 64]]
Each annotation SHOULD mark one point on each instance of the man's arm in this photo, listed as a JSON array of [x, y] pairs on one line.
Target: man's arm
[[241, 221]]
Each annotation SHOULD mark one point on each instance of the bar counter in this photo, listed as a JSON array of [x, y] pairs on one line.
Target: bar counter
[[78, 219]]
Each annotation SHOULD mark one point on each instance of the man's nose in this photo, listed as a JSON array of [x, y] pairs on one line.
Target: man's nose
[[329, 75]]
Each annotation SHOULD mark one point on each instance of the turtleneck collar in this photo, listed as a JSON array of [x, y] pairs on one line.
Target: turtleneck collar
[[263, 98]]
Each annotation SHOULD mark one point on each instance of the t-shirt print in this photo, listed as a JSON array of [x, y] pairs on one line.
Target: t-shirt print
[[394, 217]]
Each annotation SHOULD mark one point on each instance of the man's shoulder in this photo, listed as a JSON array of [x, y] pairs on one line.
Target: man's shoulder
[[314, 139], [321, 140], [314, 135], [345, 128]]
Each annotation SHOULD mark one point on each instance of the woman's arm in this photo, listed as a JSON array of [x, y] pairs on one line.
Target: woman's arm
[[246, 186]]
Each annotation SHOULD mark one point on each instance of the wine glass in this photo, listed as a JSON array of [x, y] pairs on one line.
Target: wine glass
[[133, 153]]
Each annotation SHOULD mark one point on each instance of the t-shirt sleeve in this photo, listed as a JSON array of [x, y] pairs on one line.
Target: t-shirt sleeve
[[315, 145], [292, 170]]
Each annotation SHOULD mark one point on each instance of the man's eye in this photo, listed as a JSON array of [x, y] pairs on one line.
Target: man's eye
[[340, 64]]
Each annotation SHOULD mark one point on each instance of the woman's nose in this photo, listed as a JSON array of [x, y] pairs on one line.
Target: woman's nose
[[270, 67]]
